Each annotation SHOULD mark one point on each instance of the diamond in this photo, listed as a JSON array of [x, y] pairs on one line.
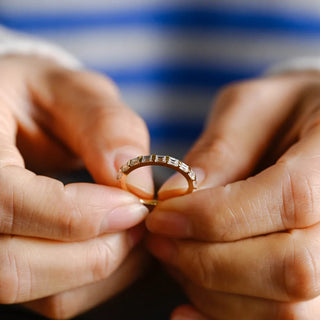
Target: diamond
[[184, 167], [162, 159], [119, 175], [125, 168], [174, 162], [134, 161], [192, 175], [194, 183], [146, 159]]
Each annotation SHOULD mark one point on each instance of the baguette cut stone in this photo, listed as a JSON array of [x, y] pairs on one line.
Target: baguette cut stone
[[119, 175], [192, 175], [134, 161], [162, 159], [157, 160], [145, 159], [184, 167], [125, 168], [173, 162]]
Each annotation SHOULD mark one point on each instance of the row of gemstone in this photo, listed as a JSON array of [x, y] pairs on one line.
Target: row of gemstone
[[159, 159]]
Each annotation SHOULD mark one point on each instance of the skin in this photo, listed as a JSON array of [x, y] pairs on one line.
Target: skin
[[66, 248], [246, 245]]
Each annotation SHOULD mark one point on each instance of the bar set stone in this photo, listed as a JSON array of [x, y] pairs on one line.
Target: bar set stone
[[161, 160]]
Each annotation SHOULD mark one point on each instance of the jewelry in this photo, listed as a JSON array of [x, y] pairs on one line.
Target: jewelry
[[157, 160]]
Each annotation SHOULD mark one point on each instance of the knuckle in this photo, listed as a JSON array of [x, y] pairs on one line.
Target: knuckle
[[112, 116], [301, 274], [300, 194], [10, 279], [91, 84], [224, 224], [216, 149], [103, 258], [200, 270], [232, 94], [102, 83], [74, 222]]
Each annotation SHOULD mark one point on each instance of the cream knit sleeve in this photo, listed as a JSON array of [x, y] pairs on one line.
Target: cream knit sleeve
[[296, 64], [12, 42]]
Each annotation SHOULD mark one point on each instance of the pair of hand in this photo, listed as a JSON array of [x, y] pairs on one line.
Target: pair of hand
[[242, 249]]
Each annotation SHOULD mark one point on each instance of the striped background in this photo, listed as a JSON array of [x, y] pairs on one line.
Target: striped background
[[170, 57]]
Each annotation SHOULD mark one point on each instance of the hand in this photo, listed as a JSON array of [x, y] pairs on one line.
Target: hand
[[59, 241], [249, 249]]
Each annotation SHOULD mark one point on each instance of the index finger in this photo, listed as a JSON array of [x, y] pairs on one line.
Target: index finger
[[39, 206], [283, 197]]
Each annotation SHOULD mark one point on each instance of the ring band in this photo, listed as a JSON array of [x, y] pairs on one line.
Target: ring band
[[157, 160]]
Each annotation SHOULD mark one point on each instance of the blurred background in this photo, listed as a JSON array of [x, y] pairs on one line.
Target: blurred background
[[169, 57]]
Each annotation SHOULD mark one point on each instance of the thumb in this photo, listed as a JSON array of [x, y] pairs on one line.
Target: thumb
[[87, 115], [243, 123]]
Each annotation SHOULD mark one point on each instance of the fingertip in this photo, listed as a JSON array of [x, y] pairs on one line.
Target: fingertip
[[123, 217], [177, 185], [135, 235], [172, 224], [139, 181], [186, 312], [161, 247]]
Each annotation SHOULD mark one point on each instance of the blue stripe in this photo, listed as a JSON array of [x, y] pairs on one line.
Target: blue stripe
[[166, 130], [185, 76], [198, 18]]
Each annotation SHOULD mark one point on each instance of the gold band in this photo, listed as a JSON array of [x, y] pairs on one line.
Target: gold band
[[157, 160]]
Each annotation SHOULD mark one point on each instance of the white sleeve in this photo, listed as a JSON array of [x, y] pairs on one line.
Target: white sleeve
[[12, 42], [296, 64]]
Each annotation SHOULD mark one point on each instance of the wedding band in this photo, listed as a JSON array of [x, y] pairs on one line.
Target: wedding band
[[157, 160]]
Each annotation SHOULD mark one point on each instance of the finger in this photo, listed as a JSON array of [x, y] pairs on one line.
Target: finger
[[37, 206], [9, 154], [19, 126], [244, 121], [283, 197], [43, 207], [85, 111], [68, 304], [224, 306], [45, 155], [32, 268], [186, 312], [282, 266]]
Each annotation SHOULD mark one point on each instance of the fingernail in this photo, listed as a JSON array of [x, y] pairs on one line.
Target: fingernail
[[123, 217], [139, 181], [177, 185], [162, 248], [135, 235], [172, 224]]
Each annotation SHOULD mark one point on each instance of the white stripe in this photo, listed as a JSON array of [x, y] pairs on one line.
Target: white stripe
[[85, 6], [180, 104], [127, 47], [265, 6]]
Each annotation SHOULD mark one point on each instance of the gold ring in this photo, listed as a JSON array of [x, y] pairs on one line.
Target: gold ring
[[157, 160]]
